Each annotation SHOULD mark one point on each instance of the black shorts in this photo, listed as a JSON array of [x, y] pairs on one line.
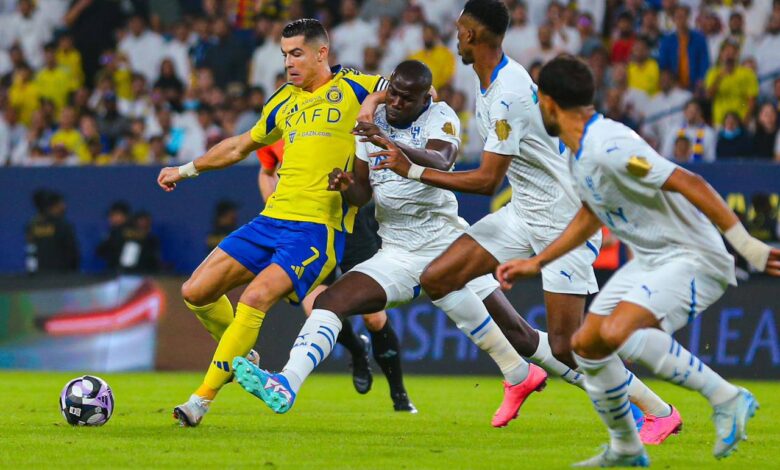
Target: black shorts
[[361, 244]]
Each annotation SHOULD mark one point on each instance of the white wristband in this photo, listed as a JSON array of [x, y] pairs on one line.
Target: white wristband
[[188, 170], [415, 172], [753, 250]]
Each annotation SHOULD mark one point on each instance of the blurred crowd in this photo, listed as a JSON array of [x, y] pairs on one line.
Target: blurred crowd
[[103, 82]]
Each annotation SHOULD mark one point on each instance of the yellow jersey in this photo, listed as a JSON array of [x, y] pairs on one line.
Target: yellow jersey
[[316, 128]]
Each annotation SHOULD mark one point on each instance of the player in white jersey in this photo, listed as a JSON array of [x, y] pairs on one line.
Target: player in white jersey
[[665, 214], [543, 202], [416, 223]]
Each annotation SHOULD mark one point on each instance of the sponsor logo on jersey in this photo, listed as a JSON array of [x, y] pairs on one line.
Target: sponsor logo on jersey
[[638, 166], [448, 128], [503, 129], [334, 95]]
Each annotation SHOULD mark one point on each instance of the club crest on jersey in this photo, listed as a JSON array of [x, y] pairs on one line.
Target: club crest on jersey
[[503, 129], [638, 166], [334, 95], [448, 128]]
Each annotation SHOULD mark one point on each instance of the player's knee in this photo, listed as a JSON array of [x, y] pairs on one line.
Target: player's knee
[[259, 296], [327, 301], [375, 321], [195, 294], [613, 334], [434, 283], [582, 344]]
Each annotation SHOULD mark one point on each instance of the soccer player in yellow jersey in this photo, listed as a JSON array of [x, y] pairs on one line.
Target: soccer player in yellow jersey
[[297, 240]]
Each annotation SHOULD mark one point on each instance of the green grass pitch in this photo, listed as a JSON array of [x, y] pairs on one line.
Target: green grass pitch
[[331, 426]]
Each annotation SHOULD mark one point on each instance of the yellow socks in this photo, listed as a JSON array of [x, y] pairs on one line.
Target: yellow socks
[[236, 341], [215, 317]]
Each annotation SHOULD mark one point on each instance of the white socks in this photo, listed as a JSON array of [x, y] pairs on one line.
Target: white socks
[[313, 344], [470, 315], [607, 386], [544, 357], [659, 352], [646, 399]]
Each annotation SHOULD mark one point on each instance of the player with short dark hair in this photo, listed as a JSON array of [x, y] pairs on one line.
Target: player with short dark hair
[[298, 239], [543, 201], [665, 214], [416, 222]]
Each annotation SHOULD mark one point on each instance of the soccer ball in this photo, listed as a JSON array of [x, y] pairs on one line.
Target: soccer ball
[[87, 401]]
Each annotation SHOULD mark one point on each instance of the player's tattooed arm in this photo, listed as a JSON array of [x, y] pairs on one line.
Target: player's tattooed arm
[[699, 193], [355, 187], [437, 154], [228, 152], [584, 225]]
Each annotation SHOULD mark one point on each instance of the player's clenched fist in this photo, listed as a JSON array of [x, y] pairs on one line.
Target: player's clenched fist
[[510, 271], [339, 180], [168, 178]]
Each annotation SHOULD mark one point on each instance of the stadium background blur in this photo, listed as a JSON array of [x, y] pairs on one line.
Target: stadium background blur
[[96, 95]]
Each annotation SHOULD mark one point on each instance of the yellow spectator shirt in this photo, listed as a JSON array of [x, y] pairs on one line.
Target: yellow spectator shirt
[[644, 76], [55, 85], [72, 140], [316, 128], [733, 93], [440, 60]]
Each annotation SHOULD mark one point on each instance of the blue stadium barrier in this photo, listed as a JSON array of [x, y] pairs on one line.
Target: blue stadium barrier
[[182, 219]]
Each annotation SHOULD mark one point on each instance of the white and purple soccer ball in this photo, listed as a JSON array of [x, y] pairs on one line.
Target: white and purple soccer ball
[[87, 401]]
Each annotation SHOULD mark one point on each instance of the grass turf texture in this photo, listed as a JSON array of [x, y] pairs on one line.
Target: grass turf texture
[[331, 426]]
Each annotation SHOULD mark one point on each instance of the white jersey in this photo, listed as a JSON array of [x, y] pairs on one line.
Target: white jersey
[[510, 124], [620, 176], [413, 215]]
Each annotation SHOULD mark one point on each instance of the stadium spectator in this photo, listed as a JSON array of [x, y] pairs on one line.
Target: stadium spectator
[[53, 81], [633, 100], [372, 60], [141, 249], [565, 37], [703, 138], [590, 40], [202, 42], [763, 224], [226, 58], [81, 19], [650, 30], [682, 150], [441, 13], [177, 49], [138, 104], [436, 56], [29, 28], [110, 248], [544, 51], [736, 30], [643, 72], [408, 36], [69, 58], [730, 86], [51, 241], [765, 139], [169, 83], [23, 94], [685, 52], [255, 99], [521, 35], [766, 50], [16, 134], [143, 47], [666, 16], [733, 139], [111, 124], [352, 36], [266, 63], [615, 109], [712, 29], [664, 111], [623, 42], [225, 222], [69, 137]]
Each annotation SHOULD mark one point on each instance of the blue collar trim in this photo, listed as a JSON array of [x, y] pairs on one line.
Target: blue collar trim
[[594, 118], [494, 75]]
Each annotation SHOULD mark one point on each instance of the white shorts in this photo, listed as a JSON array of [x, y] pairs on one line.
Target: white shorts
[[505, 236], [398, 272], [675, 292]]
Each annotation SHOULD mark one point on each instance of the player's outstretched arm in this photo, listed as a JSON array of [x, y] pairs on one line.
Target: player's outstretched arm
[[437, 154], [355, 187], [228, 152], [483, 180], [584, 225], [699, 193]]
